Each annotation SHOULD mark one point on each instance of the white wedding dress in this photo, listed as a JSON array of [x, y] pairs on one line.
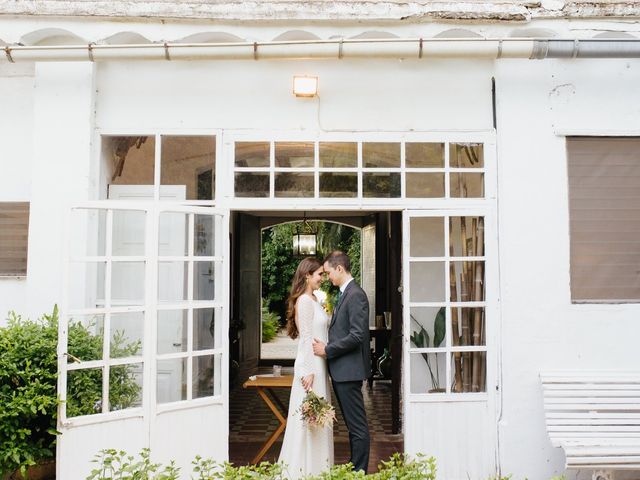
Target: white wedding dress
[[307, 450]]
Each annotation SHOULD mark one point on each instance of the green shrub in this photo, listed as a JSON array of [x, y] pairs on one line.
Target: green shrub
[[270, 324], [28, 401], [399, 467], [117, 465], [28, 384]]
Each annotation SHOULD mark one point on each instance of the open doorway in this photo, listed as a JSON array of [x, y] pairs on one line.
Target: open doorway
[[283, 245], [375, 237]]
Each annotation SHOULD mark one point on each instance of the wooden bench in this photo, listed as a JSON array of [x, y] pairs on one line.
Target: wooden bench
[[595, 417]]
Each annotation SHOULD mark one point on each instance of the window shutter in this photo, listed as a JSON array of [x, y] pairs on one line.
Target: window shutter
[[604, 213], [14, 235]]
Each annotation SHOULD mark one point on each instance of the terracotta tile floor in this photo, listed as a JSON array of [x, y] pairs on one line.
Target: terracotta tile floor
[[251, 422]]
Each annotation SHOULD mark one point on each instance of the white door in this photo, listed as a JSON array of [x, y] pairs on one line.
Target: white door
[[449, 363], [152, 295], [128, 277]]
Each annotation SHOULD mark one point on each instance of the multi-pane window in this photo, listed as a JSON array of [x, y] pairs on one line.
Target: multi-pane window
[[186, 165], [127, 285], [358, 169], [446, 304], [604, 218], [106, 308], [14, 237], [188, 355]]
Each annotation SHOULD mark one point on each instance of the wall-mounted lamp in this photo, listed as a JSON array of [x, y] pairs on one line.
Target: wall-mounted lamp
[[305, 86]]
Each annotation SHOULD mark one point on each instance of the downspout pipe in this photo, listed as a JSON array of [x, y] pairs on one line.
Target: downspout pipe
[[533, 49]]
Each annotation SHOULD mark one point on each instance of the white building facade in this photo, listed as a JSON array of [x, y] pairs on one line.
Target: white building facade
[[485, 109]]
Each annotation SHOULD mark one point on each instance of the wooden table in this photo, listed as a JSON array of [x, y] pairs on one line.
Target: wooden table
[[264, 385]]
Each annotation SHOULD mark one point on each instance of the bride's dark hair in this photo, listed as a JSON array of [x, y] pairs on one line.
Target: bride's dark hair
[[299, 284]]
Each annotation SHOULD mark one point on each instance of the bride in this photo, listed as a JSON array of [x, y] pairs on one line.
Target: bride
[[306, 450]]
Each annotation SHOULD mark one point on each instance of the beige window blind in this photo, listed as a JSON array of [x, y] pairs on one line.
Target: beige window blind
[[14, 235], [604, 217]]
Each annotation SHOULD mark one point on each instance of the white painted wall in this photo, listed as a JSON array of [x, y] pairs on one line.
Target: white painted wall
[[541, 329], [51, 132], [16, 151]]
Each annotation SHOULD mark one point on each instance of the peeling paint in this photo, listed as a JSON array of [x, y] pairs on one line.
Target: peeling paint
[[326, 10]]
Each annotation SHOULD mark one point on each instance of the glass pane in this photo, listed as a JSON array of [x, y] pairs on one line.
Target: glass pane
[[467, 185], [338, 155], [85, 338], [468, 372], [294, 154], [172, 380], [172, 331], [469, 281], [381, 185], [128, 160], [466, 155], [425, 185], [204, 241], [128, 232], [467, 326], [86, 284], [427, 281], [203, 376], [466, 236], [428, 372], [381, 155], [428, 327], [125, 386], [173, 234], [189, 162], [127, 334], [249, 184], [204, 275], [84, 392], [343, 185], [427, 237], [294, 184], [252, 154], [172, 281], [127, 283], [204, 328], [88, 227], [425, 155]]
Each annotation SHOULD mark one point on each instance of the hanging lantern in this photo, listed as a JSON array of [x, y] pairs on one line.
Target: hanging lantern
[[304, 240]]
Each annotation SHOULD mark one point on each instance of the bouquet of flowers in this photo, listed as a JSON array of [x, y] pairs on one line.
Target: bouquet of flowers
[[316, 411]]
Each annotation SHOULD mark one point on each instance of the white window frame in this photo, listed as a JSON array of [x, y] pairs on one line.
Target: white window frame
[[149, 357], [305, 203], [490, 303]]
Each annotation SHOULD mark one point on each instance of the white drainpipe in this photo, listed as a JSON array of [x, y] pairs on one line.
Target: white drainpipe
[[332, 49]]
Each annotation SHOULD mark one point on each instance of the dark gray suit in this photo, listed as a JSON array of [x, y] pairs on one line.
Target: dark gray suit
[[349, 364]]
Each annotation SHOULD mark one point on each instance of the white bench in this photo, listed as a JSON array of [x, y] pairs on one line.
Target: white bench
[[595, 417]]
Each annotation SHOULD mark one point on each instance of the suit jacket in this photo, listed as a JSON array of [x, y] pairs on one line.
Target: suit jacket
[[347, 350]]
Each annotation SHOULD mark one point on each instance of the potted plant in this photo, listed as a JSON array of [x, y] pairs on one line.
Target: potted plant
[[421, 339]]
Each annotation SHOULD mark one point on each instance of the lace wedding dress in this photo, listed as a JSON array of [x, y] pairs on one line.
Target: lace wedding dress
[[306, 450]]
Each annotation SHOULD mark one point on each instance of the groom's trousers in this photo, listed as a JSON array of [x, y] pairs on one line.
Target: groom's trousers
[[349, 395]]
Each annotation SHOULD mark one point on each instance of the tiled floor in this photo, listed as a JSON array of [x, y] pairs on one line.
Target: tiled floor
[[251, 422]]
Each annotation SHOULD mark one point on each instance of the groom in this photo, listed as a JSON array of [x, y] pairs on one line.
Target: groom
[[347, 354]]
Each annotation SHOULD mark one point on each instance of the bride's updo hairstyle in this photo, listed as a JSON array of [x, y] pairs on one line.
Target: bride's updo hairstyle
[[299, 284]]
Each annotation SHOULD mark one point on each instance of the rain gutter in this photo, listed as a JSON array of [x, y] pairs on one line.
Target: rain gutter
[[419, 48]]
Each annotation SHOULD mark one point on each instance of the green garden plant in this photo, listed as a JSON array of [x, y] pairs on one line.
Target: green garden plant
[[117, 465], [114, 465], [270, 324], [28, 384]]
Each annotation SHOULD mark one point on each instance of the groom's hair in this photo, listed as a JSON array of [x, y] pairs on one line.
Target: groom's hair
[[336, 258]]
